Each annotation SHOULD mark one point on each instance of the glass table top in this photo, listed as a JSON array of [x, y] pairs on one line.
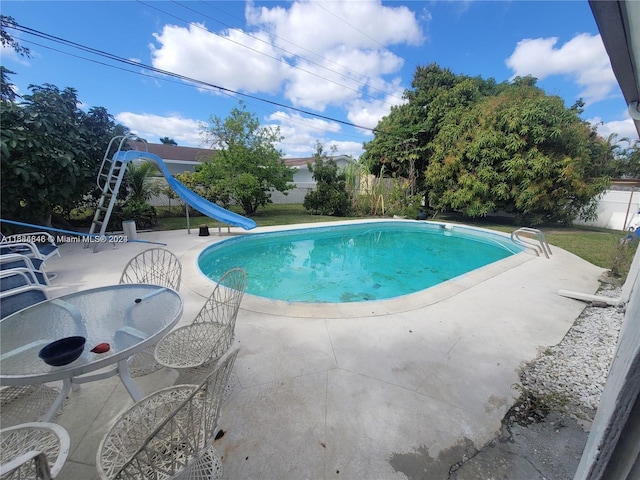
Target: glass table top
[[128, 317]]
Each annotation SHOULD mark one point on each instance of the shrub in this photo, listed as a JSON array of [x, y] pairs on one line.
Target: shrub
[[331, 196], [141, 212]]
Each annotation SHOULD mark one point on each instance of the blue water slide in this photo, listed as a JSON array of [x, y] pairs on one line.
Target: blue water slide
[[203, 205]]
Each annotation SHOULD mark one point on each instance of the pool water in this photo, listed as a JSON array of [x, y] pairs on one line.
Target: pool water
[[355, 262]]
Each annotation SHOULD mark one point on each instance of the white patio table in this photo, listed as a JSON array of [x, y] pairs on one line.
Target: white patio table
[[129, 317]]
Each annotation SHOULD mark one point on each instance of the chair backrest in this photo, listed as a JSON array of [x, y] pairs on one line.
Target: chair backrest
[[166, 431], [223, 304], [33, 450], [17, 260], [16, 299], [34, 277], [156, 266], [14, 278]]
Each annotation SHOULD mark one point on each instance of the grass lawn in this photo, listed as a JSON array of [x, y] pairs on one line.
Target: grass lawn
[[596, 245], [265, 217]]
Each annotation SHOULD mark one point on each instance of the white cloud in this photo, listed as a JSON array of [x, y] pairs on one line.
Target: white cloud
[[304, 124], [301, 134], [331, 54], [339, 48], [367, 113], [312, 86], [229, 59], [8, 53], [312, 26], [184, 131], [623, 128], [583, 58], [347, 148]]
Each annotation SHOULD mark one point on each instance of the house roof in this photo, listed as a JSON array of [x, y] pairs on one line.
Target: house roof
[[303, 161], [619, 26], [178, 153], [175, 152]]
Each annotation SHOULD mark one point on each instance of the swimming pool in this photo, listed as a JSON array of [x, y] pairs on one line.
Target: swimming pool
[[358, 262]]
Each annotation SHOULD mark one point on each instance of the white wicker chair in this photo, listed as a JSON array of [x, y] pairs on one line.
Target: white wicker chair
[[168, 434], [192, 349], [156, 266], [33, 451], [26, 403]]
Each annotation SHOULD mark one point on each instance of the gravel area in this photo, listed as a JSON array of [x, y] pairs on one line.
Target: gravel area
[[545, 431], [570, 376]]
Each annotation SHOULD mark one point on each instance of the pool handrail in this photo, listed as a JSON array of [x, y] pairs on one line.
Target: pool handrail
[[541, 247]]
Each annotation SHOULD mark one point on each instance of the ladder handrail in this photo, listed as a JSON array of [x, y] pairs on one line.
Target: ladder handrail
[[541, 247], [526, 245], [109, 183]]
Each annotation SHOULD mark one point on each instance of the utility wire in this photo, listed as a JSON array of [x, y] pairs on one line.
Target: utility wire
[[53, 38], [182, 83]]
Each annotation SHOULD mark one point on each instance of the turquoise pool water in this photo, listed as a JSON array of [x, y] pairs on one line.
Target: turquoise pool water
[[356, 262]]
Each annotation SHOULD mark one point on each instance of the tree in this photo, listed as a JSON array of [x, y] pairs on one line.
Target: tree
[[139, 187], [330, 196], [246, 165], [632, 161], [401, 143], [617, 157], [51, 152], [480, 147], [168, 141], [7, 93], [522, 152], [139, 178], [7, 40]]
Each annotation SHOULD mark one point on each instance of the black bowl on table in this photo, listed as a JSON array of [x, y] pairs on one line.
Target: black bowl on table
[[63, 351]]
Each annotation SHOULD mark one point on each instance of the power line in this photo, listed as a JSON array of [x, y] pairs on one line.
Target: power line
[[182, 83], [101, 53]]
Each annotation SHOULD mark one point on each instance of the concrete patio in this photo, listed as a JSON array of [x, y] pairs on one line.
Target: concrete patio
[[382, 390]]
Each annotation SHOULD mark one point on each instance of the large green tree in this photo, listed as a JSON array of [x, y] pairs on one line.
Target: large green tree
[[51, 152], [522, 152], [401, 142], [481, 147], [246, 167]]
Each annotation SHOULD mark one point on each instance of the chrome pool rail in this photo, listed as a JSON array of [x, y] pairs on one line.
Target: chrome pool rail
[[538, 244]]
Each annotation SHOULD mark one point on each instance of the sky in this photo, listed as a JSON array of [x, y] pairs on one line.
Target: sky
[[322, 70]]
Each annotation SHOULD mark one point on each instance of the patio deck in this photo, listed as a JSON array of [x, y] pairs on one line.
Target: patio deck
[[383, 390]]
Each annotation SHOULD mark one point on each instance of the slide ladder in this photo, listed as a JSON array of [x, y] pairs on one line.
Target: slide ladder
[[110, 177], [112, 172], [538, 244]]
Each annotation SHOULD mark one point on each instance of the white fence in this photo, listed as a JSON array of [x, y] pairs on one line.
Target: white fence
[[616, 210]]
